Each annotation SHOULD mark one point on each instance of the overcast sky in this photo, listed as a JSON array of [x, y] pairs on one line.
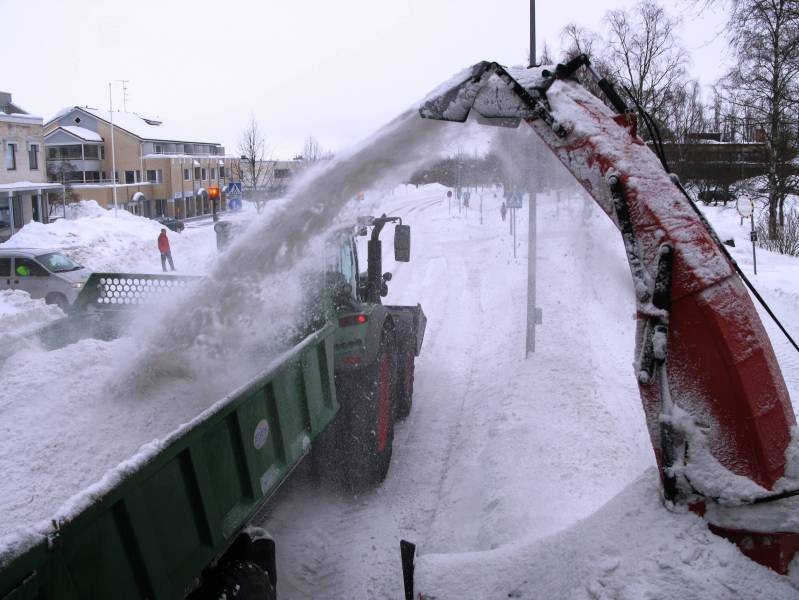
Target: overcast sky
[[334, 69]]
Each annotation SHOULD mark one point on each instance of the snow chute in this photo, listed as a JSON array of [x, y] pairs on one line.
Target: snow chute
[[717, 408]]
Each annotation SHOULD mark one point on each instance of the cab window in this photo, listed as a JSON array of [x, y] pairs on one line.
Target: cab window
[[25, 267], [5, 267], [347, 264]]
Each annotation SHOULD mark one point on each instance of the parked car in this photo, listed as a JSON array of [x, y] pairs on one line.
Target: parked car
[[42, 273], [717, 195], [173, 224]]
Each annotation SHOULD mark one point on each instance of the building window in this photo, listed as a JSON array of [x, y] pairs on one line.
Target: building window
[[154, 175], [188, 148], [186, 175], [33, 157], [64, 152], [205, 174], [130, 176], [221, 172], [11, 156], [213, 173], [159, 149], [197, 172], [92, 176], [282, 173], [102, 152], [90, 152]]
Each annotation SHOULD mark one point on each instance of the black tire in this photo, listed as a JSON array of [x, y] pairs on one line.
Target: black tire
[[239, 580], [406, 365], [59, 300], [367, 429]]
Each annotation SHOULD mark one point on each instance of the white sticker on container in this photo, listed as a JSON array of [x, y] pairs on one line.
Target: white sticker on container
[[260, 435]]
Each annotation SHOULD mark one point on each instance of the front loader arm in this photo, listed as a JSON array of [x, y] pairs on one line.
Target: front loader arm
[[717, 408]]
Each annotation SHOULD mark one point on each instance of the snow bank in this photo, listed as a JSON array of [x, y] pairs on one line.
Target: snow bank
[[101, 240], [631, 548], [19, 313]]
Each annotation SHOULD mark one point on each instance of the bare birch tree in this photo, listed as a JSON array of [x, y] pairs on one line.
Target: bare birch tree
[[579, 40], [646, 57], [763, 89], [312, 153], [254, 169]]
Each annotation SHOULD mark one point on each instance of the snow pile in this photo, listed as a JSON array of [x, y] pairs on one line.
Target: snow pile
[[104, 241], [20, 316], [629, 549], [84, 209], [19, 313]]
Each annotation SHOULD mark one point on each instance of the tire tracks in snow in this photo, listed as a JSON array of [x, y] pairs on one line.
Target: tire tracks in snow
[[332, 546]]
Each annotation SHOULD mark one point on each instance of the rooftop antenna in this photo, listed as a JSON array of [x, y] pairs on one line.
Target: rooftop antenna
[[124, 83]]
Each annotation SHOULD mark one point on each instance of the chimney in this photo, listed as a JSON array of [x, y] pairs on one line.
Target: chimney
[[5, 100]]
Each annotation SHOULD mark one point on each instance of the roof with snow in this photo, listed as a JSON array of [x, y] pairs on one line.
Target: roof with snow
[[10, 112], [142, 127], [79, 132], [24, 186]]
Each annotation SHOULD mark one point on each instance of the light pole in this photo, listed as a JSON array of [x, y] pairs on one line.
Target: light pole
[[532, 32], [532, 311], [113, 156]]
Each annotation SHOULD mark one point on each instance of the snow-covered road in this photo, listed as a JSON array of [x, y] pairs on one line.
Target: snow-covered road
[[496, 447], [504, 460]]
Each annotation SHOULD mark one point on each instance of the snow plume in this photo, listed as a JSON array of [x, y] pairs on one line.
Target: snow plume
[[19, 316], [528, 165], [245, 310]]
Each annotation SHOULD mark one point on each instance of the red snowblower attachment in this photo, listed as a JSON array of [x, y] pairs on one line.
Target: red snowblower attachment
[[717, 408]]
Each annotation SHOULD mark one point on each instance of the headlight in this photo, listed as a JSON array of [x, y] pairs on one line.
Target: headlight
[[77, 285]]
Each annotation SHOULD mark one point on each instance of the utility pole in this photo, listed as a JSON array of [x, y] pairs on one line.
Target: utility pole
[[532, 32], [532, 310], [113, 156]]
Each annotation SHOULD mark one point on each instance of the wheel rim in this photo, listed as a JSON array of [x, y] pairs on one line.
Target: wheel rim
[[383, 401]]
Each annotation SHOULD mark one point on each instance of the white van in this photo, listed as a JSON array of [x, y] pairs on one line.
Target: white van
[[42, 273]]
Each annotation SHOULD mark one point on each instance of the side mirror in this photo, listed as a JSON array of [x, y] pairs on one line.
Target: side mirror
[[402, 243]]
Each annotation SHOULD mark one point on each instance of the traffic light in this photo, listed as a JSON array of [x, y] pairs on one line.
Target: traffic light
[[213, 194]]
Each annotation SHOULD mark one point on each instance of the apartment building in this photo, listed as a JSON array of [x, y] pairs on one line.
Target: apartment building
[[23, 186], [159, 170]]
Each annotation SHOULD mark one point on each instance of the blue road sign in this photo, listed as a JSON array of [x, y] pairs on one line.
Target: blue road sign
[[515, 201]]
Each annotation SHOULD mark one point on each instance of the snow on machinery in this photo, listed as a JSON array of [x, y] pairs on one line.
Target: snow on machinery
[[717, 408], [376, 348], [174, 520]]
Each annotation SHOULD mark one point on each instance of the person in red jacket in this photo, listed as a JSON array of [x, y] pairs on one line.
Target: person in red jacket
[[166, 253]]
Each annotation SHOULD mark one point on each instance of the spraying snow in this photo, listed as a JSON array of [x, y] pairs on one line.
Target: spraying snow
[[232, 313]]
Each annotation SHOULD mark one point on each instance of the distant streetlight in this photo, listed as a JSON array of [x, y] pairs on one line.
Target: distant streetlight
[[532, 32]]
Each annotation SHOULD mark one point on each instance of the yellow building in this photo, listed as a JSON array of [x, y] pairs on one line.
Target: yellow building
[[23, 187], [159, 171]]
